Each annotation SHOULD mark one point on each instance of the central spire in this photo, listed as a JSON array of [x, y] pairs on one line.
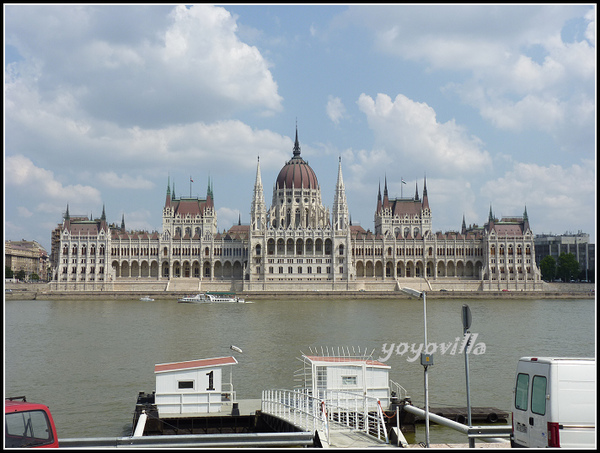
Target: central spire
[[296, 144]]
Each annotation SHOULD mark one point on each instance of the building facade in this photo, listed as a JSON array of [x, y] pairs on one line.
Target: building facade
[[295, 244], [577, 244], [27, 256]]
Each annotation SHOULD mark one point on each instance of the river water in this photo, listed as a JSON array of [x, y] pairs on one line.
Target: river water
[[87, 360]]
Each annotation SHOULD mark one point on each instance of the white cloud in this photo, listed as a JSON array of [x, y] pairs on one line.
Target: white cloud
[[410, 132], [555, 195], [125, 181], [36, 184], [190, 67], [335, 109], [513, 65]]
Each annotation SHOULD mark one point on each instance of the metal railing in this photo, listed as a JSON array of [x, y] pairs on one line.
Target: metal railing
[[296, 407], [338, 409]]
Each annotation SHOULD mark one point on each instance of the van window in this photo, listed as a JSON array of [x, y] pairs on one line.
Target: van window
[[27, 429], [538, 395], [522, 391]]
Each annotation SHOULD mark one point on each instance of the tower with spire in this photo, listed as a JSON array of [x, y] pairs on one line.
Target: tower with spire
[[258, 209], [340, 206], [403, 217]]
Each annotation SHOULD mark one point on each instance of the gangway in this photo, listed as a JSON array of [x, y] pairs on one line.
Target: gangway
[[341, 419]]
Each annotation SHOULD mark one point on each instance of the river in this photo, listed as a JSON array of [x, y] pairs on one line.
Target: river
[[88, 359]]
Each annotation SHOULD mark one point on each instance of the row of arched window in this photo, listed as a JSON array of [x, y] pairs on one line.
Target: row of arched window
[[84, 249], [509, 250]]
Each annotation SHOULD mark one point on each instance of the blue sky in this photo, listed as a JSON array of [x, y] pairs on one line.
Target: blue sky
[[494, 104]]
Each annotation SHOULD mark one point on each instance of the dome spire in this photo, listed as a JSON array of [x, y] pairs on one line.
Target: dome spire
[[296, 143]]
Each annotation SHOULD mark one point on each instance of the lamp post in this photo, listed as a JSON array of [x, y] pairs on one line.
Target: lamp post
[[466, 320], [426, 359]]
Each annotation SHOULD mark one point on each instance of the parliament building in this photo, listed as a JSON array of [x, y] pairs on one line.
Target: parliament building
[[294, 244]]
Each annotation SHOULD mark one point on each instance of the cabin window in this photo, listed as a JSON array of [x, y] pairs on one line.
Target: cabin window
[[538, 395], [349, 380], [185, 384], [522, 391]]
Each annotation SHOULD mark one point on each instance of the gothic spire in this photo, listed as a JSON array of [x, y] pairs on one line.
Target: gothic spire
[[340, 206], [258, 210], [296, 144], [425, 199]]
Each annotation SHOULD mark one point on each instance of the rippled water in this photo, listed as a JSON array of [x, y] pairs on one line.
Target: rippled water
[[87, 360]]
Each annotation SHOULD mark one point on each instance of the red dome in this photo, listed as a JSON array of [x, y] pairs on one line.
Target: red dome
[[296, 173]]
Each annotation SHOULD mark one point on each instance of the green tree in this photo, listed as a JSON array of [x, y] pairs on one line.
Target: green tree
[[568, 267], [548, 268], [21, 275], [35, 277], [8, 273]]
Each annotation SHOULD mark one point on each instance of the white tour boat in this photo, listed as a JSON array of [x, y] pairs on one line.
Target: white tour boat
[[206, 298], [146, 299]]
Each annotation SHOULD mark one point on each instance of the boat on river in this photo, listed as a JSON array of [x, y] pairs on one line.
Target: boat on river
[[207, 298], [146, 299]]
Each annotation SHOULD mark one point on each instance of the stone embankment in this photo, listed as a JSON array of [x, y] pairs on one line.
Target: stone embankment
[[33, 291]]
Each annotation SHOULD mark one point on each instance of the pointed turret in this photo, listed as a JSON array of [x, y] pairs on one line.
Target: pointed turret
[[463, 229], [379, 200], [386, 200], [103, 216], [340, 206], [525, 221], [425, 203], [258, 209], [168, 198], [123, 222], [416, 191], [67, 216]]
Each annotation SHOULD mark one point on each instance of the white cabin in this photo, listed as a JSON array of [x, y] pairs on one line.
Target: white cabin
[[194, 387], [325, 375]]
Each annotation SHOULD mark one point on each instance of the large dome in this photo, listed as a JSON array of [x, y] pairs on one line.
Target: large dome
[[296, 173]]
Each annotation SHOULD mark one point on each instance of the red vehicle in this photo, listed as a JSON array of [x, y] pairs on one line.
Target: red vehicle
[[28, 424]]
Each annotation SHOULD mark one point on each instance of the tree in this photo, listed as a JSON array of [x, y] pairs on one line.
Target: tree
[[8, 273], [548, 268], [568, 267], [21, 275]]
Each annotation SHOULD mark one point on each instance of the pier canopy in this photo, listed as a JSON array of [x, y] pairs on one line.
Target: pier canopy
[[194, 386]]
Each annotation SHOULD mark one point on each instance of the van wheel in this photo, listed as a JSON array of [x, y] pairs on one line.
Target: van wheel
[[492, 418]]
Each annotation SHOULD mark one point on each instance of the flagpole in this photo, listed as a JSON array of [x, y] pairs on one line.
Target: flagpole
[[191, 181]]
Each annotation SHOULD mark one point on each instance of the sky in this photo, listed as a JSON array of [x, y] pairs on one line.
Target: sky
[[495, 105]]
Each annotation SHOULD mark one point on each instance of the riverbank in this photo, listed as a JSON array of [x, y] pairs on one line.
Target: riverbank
[[33, 291]]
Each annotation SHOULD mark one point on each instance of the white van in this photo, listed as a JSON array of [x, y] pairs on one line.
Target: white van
[[554, 403]]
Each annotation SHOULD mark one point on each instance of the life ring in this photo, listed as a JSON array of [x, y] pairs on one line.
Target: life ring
[[492, 417]]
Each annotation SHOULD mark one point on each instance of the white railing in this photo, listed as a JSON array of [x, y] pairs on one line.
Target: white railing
[[338, 409], [359, 412], [400, 391], [298, 408]]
